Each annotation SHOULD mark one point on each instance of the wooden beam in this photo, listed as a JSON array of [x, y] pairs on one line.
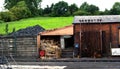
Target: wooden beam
[[38, 43]]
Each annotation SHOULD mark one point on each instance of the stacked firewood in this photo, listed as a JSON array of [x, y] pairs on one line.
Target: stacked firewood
[[51, 47]]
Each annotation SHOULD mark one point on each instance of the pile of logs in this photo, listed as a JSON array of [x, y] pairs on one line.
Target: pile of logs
[[51, 47]]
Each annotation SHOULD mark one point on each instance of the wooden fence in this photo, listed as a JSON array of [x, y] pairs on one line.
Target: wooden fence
[[19, 46]]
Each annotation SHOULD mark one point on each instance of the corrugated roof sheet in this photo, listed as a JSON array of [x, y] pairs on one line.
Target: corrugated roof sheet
[[97, 19]]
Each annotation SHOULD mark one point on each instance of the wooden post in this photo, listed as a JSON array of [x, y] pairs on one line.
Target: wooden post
[[38, 43], [80, 53], [80, 41], [101, 34], [110, 40], [101, 40]]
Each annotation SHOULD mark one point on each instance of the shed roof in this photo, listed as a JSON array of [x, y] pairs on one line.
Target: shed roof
[[67, 30], [97, 19]]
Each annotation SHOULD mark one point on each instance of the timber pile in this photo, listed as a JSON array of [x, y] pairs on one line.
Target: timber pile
[[51, 47]]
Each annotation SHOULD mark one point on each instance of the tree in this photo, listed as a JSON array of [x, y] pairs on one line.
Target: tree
[[89, 8], [115, 9], [7, 16], [10, 3], [21, 10], [61, 9], [73, 8], [84, 6], [52, 6], [33, 5], [47, 10], [107, 12], [93, 9]]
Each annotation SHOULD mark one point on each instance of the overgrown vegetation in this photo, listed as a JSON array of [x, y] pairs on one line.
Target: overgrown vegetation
[[7, 16], [20, 9], [45, 22], [20, 13]]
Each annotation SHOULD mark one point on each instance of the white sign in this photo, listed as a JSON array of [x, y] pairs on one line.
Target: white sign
[[115, 51]]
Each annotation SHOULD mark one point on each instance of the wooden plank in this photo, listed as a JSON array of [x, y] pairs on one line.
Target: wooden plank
[[38, 43]]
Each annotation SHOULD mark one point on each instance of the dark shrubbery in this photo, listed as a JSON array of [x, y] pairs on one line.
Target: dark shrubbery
[[19, 11], [7, 16], [81, 13]]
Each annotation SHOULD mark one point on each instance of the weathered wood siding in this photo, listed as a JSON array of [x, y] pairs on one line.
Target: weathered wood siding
[[21, 46], [111, 33]]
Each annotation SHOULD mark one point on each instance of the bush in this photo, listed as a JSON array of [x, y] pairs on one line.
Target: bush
[[7, 16], [66, 14], [47, 15], [0, 17], [1, 21], [81, 13], [21, 10]]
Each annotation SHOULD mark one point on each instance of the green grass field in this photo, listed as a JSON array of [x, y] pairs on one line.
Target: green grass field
[[45, 22]]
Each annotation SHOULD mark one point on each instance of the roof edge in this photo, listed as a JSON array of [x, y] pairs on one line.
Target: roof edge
[[97, 19]]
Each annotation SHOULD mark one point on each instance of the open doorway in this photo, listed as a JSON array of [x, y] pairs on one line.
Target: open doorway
[[67, 46], [69, 42]]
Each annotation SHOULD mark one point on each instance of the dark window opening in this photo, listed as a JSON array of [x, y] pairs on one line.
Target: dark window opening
[[69, 42]]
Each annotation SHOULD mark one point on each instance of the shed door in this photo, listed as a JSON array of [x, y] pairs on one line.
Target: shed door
[[91, 44]]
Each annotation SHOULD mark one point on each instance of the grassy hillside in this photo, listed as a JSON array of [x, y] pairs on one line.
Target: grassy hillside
[[45, 22]]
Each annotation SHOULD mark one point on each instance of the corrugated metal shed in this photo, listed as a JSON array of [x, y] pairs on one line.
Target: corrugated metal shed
[[97, 19], [67, 30]]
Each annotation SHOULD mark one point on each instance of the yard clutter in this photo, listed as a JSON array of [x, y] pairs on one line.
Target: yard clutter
[[51, 47]]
